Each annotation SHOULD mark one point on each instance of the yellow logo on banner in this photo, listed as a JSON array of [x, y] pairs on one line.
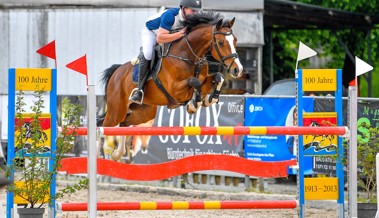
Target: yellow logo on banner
[[319, 80], [321, 188], [32, 79]]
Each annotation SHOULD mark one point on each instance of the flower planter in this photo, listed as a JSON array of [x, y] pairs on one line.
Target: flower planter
[[30, 212], [367, 210]]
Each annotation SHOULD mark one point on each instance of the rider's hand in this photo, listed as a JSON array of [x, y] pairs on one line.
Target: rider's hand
[[183, 31]]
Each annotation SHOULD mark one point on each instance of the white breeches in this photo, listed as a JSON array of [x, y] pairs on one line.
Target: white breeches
[[148, 42]]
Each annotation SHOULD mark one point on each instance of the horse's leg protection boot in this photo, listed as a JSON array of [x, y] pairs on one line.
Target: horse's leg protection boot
[[144, 71]]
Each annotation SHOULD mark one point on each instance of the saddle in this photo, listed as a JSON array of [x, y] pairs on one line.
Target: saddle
[[155, 67]]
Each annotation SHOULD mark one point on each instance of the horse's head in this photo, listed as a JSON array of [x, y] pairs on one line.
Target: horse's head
[[223, 47], [223, 41]]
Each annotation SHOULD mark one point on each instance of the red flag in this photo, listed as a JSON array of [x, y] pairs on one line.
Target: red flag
[[79, 65], [48, 50]]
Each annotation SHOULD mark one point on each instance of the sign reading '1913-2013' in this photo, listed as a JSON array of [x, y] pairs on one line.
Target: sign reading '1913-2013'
[[321, 188], [319, 80], [32, 79]]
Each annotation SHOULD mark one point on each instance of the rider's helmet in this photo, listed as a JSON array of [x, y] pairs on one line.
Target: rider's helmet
[[193, 4]]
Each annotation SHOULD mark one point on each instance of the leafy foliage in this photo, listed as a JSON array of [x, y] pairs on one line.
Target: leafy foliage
[[328, 45], [29, 168], [367, 150]]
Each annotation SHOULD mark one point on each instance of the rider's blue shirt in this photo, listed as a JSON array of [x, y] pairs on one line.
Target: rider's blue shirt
[[165, 19]]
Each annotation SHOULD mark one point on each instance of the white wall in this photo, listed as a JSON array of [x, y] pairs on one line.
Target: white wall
[[107, 36], [237, 5]]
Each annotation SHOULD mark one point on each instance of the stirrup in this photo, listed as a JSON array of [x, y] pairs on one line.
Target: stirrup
[[134, 92]]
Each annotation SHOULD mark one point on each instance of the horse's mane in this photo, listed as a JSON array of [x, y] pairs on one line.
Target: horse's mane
[[194, 20]]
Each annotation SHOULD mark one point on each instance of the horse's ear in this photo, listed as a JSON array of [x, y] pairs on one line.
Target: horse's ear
[[231, 22], [219, 24]]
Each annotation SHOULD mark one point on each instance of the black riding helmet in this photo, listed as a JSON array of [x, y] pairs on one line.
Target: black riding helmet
[[193, 4]]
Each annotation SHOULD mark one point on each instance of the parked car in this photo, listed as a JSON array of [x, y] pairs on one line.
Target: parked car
[[282, 87]]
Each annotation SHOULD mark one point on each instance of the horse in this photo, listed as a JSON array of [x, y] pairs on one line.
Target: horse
[[182, 78]]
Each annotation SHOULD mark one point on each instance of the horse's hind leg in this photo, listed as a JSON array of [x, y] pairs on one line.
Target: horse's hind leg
[[99, 143], [216, 81], [140, 114], [120, 148], [120, 151]]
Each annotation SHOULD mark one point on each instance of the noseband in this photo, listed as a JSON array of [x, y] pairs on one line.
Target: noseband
[[233, 55]]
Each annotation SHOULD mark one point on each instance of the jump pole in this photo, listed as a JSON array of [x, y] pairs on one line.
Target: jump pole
[[220, 130], [92, 152], [353, 163], [182, 205]]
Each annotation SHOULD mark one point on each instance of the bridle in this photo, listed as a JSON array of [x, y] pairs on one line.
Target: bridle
[[232, 55], [201, 61]]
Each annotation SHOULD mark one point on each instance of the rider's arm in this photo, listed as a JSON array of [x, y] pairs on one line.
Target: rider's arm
[[164, 36]]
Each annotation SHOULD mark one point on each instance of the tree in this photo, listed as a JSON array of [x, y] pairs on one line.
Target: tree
[[327, 43]]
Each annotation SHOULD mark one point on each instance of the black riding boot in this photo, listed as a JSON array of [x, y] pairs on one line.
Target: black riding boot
[[143, 73]]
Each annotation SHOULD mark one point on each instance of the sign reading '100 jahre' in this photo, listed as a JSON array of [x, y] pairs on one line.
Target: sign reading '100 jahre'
[[32, 79], [319, 80]]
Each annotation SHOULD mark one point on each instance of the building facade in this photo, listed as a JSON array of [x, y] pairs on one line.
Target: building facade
[[108, 32]]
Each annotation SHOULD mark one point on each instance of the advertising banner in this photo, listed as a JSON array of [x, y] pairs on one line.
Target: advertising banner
[[368, 116], [229, 111], [273, 112]]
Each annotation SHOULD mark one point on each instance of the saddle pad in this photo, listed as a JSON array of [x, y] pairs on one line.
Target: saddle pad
[[135, 73]]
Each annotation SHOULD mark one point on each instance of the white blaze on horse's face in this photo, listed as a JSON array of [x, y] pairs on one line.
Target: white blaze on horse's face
[[230, 39]]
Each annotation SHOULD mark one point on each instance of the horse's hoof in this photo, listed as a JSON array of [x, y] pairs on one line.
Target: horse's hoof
[[116, 156], [191, 107], [207, 102], [144, 150]]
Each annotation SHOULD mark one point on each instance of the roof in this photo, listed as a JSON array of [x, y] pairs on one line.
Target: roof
[[235, 5], [283, 14]]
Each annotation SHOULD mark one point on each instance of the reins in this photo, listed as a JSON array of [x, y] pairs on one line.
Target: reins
[[198, 64]]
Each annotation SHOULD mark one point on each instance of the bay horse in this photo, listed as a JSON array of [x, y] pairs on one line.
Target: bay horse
[[183, 77]]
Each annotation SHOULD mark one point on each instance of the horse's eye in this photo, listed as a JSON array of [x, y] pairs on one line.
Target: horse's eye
[[220, 42]]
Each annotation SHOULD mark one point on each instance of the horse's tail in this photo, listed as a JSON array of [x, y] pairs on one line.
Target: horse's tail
[[107, 74]]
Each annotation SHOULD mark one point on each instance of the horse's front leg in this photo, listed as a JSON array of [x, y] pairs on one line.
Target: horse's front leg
[[213, 96], [195, 102]]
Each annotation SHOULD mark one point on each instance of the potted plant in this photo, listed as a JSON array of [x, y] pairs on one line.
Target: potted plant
[[368, 147], [32, 177]]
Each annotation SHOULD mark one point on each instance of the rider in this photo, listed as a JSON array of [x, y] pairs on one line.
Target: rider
[[158, 30]]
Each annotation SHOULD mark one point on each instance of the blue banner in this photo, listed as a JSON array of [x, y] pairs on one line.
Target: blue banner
[[273, 112]]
